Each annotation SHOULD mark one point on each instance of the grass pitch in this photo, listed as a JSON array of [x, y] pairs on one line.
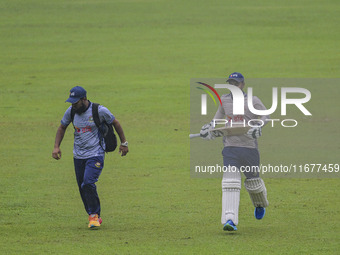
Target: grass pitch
[[137, 58]]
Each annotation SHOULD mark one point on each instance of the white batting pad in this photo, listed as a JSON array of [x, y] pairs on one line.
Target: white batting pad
[[257, 192], [231, 186]]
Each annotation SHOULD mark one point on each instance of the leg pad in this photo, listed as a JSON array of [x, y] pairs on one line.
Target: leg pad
[[231, 186], [257, 192]]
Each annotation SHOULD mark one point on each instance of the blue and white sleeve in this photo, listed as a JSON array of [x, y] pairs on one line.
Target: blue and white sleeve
[[66, 120], [105, 114]]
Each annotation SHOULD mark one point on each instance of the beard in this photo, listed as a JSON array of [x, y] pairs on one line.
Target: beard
[[81, 109]]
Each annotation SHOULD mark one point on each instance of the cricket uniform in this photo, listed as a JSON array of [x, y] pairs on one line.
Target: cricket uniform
[[239, 151], [88, 153], [226, 112]]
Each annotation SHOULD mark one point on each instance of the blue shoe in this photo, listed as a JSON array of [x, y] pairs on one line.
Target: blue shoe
[[229, 226], [259, 212]]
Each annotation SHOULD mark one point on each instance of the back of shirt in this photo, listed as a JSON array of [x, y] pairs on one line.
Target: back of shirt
[[86, 135], [226, 112]]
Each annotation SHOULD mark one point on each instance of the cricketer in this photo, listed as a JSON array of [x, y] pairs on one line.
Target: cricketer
[[240, 153]]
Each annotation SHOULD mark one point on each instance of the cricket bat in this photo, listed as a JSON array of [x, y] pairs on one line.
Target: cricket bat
[[227, 131]]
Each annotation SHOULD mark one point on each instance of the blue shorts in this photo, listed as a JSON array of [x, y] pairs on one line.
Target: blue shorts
[[245, 159]]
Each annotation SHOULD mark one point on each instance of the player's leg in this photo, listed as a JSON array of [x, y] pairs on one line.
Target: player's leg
[[258, 195], [79, 166], [253, 183], [93, 170], [231, 186]]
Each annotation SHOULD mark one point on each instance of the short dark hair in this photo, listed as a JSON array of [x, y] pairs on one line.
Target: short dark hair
[[234, 82]]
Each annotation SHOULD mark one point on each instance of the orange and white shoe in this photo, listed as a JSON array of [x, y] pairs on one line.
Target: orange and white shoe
[[94, 221]]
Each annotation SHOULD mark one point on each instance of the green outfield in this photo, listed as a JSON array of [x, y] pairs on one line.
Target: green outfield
[[137, 57]]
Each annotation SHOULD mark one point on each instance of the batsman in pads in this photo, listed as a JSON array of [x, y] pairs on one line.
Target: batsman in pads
[[240, 154]]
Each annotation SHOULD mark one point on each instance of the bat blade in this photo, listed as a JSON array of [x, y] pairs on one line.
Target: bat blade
[[226, 131]]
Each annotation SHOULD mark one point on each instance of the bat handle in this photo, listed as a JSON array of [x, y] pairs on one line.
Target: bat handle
[[194, 135]]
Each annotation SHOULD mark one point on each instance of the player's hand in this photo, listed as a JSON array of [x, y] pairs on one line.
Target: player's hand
[[206, 133], [56, 154], [254, 132], [123, 150], [217, 133]]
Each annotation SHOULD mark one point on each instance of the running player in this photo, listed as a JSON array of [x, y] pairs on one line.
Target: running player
[[239, 152]]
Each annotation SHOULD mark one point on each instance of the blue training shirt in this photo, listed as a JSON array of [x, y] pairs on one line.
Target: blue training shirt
[[86, 136]]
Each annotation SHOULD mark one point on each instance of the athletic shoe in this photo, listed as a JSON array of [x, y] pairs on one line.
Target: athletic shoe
[[229, 226], [259, 212], [94, 221]]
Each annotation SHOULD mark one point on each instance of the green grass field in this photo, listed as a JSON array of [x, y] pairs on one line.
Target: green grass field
[[137, 58]]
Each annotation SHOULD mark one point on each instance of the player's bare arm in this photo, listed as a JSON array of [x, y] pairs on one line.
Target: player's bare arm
[[123, 148], [56, 154]]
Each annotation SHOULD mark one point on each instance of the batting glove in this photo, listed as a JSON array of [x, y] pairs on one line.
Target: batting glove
[[254, 132], [206, 132]]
